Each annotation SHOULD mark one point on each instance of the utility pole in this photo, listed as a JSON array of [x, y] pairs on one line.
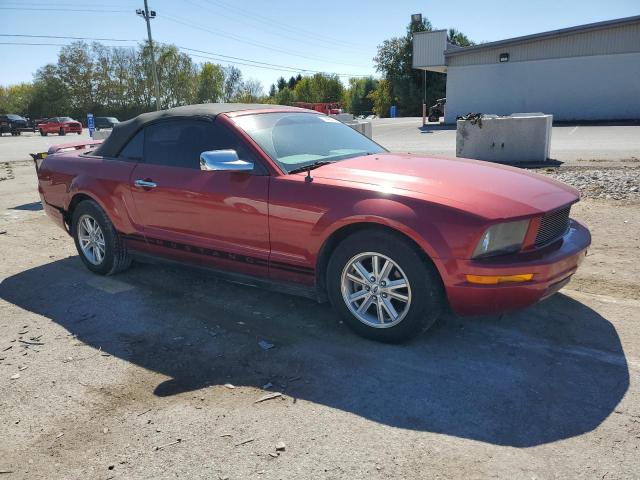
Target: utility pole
[[148, 15]]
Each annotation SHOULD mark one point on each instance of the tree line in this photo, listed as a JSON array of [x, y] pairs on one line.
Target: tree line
[[119, 82]]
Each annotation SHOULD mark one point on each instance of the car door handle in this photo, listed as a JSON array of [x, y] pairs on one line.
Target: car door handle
[[145, 184]]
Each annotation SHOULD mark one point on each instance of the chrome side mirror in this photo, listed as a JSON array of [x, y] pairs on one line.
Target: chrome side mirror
[[224, 160]]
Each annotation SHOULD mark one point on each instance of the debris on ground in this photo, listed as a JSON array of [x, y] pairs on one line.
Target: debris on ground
[[268, 397], [280, 447], [160, 447], [265, 345], [248, 440], [15, 376], [229, 386]]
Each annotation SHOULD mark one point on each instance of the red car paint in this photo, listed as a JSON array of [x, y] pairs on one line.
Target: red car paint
[[277, 226], [60, 124]]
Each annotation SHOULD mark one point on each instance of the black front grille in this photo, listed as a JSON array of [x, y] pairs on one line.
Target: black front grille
[[552, 226]]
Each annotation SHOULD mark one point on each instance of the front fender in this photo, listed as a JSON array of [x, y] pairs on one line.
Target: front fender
[[390, 213]]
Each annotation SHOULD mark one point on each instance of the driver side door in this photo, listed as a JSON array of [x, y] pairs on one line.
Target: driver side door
[[213, 218]]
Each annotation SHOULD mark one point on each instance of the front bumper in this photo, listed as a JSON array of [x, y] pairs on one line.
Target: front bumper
[[551, 266]]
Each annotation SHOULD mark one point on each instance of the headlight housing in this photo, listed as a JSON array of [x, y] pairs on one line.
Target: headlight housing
[[501, 238]]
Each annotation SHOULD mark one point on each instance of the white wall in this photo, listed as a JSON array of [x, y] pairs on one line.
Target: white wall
[[601, 87]]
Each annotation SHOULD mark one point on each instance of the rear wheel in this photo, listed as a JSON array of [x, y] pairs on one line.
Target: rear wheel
[[100, 247], [383, 287]]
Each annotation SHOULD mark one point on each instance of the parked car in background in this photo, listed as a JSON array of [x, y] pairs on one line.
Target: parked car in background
[[294, 200], [105, 122], [59, 125], [12, 123]]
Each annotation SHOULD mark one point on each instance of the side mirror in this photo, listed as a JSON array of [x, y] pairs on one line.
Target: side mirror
[[224, 160]]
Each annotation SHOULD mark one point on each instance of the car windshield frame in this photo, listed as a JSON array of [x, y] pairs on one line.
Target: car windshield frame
[[295, 140]]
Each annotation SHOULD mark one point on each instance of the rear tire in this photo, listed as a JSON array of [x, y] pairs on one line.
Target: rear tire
[[100, 247], [416, 306]]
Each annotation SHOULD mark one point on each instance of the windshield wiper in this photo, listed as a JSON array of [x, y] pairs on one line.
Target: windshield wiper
[[310, 166]]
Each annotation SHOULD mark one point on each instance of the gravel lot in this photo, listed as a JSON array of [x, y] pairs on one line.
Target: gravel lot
[[159, 373]]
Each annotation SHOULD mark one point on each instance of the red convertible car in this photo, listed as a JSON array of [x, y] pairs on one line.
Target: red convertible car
[[59, 125], [291, 199]]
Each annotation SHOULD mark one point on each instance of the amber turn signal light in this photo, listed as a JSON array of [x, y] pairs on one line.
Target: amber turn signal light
[[496, 279]]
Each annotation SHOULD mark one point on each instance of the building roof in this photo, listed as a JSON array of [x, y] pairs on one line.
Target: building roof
[[124, 131], [449, 52]]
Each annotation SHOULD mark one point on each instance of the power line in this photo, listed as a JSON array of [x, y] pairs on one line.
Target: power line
[[286, 27], [221, 33], [57, 44], [69, 38], [258, 64], [44, 9], [298, 38]]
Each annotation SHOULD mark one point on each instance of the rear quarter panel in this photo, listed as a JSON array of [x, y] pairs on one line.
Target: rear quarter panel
[[64, 175]]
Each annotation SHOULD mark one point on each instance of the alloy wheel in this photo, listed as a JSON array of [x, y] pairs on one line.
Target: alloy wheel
[[91, 239], [376, 290]]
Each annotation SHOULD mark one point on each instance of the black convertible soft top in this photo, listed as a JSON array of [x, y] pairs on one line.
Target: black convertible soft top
[[124, 131]]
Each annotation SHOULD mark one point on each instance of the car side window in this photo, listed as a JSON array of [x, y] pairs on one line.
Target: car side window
[[179, 143], [133, 151]]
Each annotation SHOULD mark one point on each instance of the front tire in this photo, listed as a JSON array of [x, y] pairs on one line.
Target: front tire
[[100, 247], [62, 132], [43, 133], [383, 287]]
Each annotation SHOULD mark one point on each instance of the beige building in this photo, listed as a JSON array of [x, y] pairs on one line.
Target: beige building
[[588, 72]]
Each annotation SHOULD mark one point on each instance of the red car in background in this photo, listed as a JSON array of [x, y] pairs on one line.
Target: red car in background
[[59, 125], [290, 199]]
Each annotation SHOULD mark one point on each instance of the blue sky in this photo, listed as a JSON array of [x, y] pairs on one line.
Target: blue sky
[[329, 35]]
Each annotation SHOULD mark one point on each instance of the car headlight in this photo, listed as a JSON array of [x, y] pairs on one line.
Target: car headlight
[[501, 238]]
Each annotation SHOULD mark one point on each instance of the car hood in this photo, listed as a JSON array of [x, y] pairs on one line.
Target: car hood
[[486, 189]]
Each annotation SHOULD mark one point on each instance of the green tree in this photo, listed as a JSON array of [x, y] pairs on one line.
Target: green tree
[[281, 83], [50, 94], [16, 98], [382, 98], [232, 83], [210, 83], [272, 90], [394, 61], [285, 97], [357, 100], [249, 92], [320, 87], [456, 37]]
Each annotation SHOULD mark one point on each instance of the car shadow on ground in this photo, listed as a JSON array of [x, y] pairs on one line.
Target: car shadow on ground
[[550, 372]]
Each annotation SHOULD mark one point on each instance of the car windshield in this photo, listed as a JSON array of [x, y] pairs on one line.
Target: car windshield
[[65, 119], [13, 116], [295, 140], [112, 119]]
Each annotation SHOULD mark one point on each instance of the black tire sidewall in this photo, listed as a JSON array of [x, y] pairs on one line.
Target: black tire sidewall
[[427, 296], [89, 207]]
